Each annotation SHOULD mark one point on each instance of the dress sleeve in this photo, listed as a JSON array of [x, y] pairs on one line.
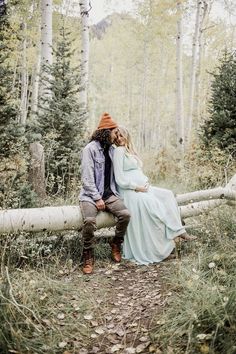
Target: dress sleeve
[[121, 178]]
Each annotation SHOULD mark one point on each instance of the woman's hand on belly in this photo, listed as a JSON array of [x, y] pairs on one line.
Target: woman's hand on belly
[[143, 189]]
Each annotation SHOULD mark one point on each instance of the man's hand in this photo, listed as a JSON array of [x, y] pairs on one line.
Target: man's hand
[[100, 204]]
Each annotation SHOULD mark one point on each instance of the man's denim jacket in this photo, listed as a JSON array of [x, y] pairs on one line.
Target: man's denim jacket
[[93, 172]]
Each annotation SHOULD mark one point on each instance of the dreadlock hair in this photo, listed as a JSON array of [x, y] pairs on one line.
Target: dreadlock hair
[[102, 135]]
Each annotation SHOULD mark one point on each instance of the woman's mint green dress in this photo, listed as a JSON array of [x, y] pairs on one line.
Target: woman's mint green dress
[[155, 217]]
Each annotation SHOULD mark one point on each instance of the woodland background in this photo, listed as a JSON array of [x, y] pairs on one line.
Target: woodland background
[[167, 71]]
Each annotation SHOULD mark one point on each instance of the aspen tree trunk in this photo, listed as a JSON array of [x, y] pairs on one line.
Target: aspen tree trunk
[[36, 150], [130, 95], [230, 8], [13, 87], [193, 72], [84, 11], [200, 100], [126, 90], [142, 119], [46, 42], [179, 84], [35, 85], [156, 140], [24, 79], [203, 20], [70, 217]]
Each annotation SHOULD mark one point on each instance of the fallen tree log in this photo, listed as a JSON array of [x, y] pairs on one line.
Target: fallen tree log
[[70, 217]]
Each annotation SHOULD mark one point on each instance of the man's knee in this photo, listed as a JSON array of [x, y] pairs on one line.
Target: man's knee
[[89, 225], [124, 215]]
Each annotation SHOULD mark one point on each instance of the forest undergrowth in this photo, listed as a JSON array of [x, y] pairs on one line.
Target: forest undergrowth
[[180, 306], [183, 305]]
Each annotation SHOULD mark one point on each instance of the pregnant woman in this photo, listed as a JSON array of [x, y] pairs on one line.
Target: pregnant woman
[[155, 223]]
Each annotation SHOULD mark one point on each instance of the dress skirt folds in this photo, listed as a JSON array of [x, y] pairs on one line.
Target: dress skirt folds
[[155, 217]]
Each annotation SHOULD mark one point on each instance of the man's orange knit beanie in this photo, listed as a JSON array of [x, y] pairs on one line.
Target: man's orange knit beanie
[[106, 122]]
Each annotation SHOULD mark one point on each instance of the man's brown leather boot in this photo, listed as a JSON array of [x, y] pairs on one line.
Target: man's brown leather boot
[[116, 252], [88, 261]]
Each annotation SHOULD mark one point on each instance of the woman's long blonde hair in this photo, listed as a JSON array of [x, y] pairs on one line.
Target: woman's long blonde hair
[[128, 143]]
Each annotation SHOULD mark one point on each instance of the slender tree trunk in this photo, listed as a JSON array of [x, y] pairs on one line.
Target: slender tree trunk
[[36, 150], [15, 75], [84, 11], [46, 43], [24, 78], [35, 80], [179, 84], [157, 125], [205, 8], [131, 86], [142, 119], [193, 72]]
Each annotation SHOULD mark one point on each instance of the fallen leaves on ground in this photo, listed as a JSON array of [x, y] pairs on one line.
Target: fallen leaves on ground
[[121, 321]]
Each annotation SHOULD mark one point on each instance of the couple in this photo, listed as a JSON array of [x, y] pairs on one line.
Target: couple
[[113, 180]]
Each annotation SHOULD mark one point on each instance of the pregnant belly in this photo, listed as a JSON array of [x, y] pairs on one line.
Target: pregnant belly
[[137, 177]]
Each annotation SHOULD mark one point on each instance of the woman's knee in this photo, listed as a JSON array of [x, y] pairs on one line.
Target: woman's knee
[[169, 193]]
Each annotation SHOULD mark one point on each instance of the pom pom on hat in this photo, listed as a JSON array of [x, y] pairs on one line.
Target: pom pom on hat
[[106, 122]]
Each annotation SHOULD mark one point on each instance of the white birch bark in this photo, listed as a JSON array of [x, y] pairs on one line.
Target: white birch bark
[[199, 208], [143, 89], [157, 125], [226, 195], [84, 11], [35, 85], [70, 217], [155, 140], [13, 87], [193, 73], [46, 42], [24, 79], [210, 194], [130, 93], [205, 9], [48, 219], [179, 83]]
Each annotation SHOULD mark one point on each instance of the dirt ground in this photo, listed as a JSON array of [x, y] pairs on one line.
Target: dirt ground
[[123, 317]]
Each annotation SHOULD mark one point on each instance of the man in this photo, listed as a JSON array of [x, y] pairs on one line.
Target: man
[[99, 191]]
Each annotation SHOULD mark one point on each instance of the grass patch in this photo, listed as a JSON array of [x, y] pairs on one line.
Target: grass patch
[[44, 311], [38, 249], [201, 315], [43, 294]]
